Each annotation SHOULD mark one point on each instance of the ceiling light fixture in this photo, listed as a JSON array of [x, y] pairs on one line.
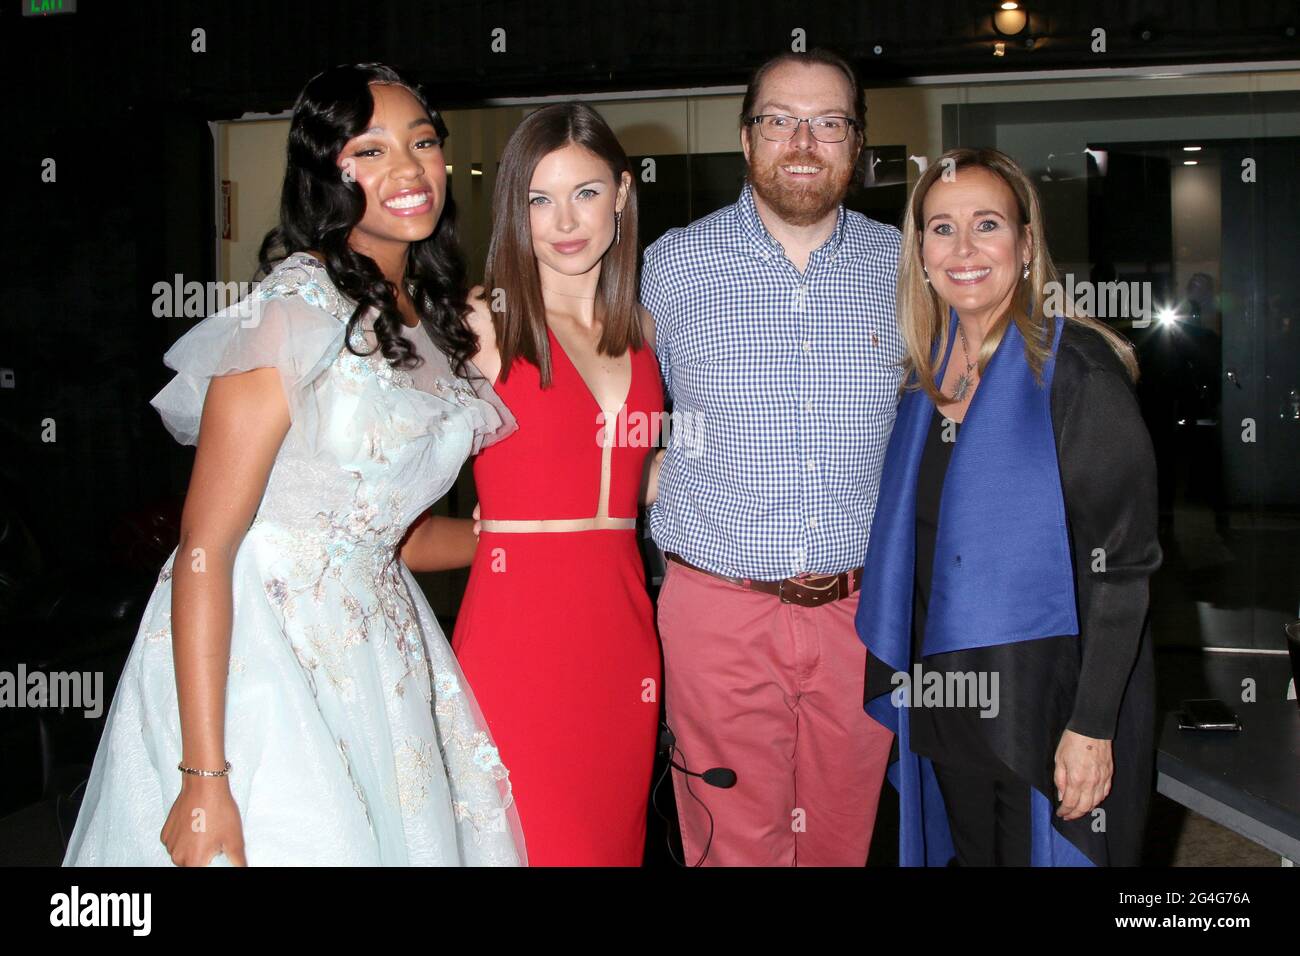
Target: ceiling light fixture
[[1010, 19]]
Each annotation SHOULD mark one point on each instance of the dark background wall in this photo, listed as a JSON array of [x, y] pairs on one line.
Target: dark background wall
[[118, 96]]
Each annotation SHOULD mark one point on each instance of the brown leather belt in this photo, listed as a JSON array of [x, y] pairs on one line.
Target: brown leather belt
[[810, 590]]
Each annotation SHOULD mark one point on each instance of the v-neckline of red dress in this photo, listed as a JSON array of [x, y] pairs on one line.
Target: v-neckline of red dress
[[559, 347]]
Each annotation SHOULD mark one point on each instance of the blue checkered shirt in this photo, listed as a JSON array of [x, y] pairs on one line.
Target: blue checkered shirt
[[784, 389]]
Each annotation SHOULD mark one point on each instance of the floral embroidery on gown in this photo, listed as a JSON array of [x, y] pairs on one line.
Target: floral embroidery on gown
[[353, 736]]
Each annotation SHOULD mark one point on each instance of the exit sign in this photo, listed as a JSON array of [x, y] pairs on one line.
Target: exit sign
[[44, 8]]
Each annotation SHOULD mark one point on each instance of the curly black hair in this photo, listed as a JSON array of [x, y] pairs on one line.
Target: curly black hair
[[319, 207]]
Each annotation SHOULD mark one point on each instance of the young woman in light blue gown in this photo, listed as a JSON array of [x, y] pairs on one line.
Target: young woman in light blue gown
[[290, 698]]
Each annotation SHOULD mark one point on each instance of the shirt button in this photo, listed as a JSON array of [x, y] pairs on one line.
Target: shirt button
[[812, 522], [811, 464], [807, 406], [807, 346]]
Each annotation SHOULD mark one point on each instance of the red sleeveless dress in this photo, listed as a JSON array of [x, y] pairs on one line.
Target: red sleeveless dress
[[556, 631]]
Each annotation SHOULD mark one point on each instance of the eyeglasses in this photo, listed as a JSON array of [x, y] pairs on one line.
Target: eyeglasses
[[779, 128]]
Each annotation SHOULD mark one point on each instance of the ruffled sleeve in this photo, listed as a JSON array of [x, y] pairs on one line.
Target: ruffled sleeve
[[498, 422], [294, 322]]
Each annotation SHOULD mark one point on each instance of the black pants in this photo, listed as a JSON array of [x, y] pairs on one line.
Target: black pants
[[988, 814]]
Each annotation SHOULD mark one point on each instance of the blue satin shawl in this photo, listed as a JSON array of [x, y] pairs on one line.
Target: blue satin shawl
[[1003, 570]]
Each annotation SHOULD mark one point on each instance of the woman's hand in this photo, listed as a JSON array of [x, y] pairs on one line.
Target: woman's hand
[[203, 822], [477, 521], [1084, 770], [439, 543]]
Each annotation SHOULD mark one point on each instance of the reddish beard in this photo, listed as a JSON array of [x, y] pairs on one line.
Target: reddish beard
[[800, 204]]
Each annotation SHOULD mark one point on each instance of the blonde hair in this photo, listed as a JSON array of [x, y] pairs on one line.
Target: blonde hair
[[923, 315]]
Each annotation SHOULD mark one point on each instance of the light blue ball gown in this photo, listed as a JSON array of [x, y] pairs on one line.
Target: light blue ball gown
[[353, 736]]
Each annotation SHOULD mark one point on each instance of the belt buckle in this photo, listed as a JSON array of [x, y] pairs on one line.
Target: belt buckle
[[835, 583]]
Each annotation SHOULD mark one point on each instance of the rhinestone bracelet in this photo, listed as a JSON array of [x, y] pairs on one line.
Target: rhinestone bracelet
[[204, 773]]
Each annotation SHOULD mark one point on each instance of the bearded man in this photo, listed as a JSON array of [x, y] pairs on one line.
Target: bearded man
[[775, 332]]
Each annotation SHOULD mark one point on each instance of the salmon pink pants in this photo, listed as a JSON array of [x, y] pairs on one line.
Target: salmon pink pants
[[774, 692]]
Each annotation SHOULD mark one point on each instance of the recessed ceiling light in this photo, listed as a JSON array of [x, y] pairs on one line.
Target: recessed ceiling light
[[1191, 149]]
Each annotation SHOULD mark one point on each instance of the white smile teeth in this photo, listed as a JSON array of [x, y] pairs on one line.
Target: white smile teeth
[[802, 169], [408, 202], [963, 276]]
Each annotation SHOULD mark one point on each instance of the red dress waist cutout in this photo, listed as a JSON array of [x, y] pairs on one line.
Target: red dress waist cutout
[[552, 467], [556, 632]]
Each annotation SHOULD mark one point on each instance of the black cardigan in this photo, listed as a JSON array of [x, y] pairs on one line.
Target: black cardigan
[[1100, 683]]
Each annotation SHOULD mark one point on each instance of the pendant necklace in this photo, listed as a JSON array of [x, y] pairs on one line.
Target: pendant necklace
[[963, 380]]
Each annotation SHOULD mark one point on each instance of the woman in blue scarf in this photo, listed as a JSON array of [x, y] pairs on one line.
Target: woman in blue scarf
[[1005, 589]]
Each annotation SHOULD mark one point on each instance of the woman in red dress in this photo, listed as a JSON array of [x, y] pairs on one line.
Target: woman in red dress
[[556, 631]]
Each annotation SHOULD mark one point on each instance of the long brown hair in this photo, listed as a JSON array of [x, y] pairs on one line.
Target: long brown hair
[[923, 316], [511, 267]]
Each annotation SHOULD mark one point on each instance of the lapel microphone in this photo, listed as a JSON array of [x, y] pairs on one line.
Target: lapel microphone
[[720, 777]]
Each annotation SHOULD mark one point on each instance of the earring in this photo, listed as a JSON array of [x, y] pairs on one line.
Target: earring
[[927, 274], [618, 226], [1025, 274]]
